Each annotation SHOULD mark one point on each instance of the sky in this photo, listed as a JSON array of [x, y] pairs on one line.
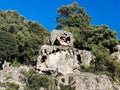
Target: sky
[[45, 11]]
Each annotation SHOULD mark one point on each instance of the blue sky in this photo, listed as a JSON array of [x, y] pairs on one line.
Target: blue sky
[[44, 11]]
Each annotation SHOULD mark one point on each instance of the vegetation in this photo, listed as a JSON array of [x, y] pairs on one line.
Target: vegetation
[[20, 40], [100, 40], [12, 86], [34, 81], [66, 87]]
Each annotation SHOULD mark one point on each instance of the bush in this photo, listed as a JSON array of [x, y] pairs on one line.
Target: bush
[[66, 87], [86, 68], [16, 63], [34, 80], [12, 86]]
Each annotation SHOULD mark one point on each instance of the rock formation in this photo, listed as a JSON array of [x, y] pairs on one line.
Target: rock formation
[[87, 81], [60, 37], [12, 74], [59, 58], [116, 55]]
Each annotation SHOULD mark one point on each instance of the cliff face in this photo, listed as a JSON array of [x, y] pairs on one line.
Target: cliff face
[[60, 59]]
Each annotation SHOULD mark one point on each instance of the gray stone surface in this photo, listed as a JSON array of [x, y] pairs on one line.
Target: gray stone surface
[[89, 81], [60, 37], [12, 74], [116, 56], [59, 59], [62, 58], [86, 57], [118, 48]]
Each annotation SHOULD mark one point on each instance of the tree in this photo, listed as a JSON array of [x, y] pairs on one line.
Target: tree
[[74, 19], [28, 46], [8, 46], [72, 16], [28, 37]]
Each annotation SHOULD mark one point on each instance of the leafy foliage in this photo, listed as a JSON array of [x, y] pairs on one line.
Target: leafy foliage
[[72, 16], [8, 46], [34, 80], [66, 87], [20, 39], [12, 86]]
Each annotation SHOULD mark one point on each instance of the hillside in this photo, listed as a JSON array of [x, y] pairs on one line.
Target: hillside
[[75, 56]]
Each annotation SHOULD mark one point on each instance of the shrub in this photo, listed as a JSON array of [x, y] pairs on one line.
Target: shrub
[[66, 87], [34, 80], [86, 68], [12, 86]]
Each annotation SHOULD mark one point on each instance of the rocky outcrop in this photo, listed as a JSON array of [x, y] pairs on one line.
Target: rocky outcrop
[[12, 74], [59, 58], [116, 55], [117, 48], [87, 81], [60, 37], [86, 57]]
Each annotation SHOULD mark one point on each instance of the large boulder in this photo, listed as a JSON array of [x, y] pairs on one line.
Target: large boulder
[[59, 59], [117, 48], [60, 37], [59, 55], [86, 57], [116, 55]]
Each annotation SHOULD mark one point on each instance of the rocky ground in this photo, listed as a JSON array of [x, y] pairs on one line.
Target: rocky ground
[[12, 74]]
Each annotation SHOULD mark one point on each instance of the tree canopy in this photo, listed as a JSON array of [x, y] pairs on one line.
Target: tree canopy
[[8, 46], [20, 39], [72, 16], [74, 19]]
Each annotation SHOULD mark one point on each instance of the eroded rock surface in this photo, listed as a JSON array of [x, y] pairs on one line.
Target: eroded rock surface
[[12, 74], [59, 56], [116, 55], [87, 81], [59, 59], [60, 37]]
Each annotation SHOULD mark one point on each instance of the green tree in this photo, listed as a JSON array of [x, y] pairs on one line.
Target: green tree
[[28, 35], [8, 46], [35, 80], [29, 45], [74, 19], [72, 16]]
